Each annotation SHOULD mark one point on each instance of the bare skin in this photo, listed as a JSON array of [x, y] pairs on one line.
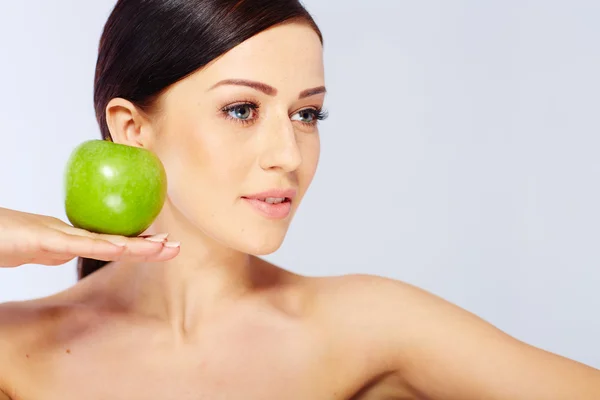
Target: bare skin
[[277, 342], [350, 337], [209, 319]]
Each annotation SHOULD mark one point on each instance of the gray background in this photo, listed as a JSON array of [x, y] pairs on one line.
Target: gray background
[[461, 154]]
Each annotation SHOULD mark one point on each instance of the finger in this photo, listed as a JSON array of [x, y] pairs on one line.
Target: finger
[[53, 261], [135, 243], [169, 251], [137, 249], [63, 244], [116, 239]]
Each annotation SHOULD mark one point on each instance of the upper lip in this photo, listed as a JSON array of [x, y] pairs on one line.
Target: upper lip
[[273, 193]]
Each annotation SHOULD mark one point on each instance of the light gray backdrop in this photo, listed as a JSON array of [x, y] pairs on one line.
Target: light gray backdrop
[[461, 155]]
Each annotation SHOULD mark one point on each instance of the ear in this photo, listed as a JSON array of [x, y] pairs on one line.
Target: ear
[[127, 124]]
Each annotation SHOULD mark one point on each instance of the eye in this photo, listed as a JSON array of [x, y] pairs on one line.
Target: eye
[[242, 112], [309, 116]]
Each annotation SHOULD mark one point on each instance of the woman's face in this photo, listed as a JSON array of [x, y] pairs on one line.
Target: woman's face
[[241, 134]]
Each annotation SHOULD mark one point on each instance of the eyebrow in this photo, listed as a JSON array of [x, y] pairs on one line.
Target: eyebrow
[[267, 89], [312, 92]]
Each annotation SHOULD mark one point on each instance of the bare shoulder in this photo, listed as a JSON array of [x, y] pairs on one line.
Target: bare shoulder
[[31, 323], [29, 328], [19, 322], [383, 303], [443, 351], [35, 323], [12, 329], [357, 308], [367, 296], [362, 316], [392, 314]]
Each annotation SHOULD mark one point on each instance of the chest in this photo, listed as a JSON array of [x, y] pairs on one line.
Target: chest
[[251, 362], [227, 372], [247, 356]]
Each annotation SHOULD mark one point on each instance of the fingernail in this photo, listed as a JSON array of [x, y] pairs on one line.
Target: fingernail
[[173, 244], [158, 238]]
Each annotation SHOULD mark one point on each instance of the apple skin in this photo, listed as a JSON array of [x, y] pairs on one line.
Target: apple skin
[[113, 188]]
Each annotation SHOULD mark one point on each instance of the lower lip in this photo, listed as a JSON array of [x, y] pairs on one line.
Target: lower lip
[[274, 211]]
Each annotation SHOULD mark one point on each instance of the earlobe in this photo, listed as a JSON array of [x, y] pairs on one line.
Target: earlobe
[[126, 124]]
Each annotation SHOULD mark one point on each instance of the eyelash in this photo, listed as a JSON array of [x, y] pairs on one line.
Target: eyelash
[[318, 113]]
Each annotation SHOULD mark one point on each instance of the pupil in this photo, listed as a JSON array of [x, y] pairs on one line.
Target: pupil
[[242, 112]]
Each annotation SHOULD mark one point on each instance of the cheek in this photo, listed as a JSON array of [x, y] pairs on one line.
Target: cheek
[[310, 148], [186, 158], [201, 158]]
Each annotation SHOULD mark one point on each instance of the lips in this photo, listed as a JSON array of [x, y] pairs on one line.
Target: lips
[[273, 204], [273, 194]]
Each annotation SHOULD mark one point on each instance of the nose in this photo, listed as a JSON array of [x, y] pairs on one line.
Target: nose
[[281, 149]]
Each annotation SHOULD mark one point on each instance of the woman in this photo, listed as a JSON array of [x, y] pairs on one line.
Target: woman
[[228, 94]]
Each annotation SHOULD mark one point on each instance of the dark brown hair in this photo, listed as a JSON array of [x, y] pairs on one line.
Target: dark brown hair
[[148, 45]]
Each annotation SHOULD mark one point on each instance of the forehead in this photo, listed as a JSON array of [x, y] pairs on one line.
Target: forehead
[[288, 55]]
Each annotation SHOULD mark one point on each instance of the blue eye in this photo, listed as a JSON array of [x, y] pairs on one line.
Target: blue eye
[[241, 111], [309, 116]]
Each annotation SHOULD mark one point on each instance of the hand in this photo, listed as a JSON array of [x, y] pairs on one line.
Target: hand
[[27, 238]]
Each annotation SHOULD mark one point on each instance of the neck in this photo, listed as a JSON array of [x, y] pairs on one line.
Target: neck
[[203, 279]]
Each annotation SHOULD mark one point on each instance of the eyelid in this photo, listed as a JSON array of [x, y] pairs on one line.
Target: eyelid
[[313, 107], [242, 102], [254, 106]]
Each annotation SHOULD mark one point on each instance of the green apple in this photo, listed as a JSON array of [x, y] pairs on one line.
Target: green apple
[[113, 188]]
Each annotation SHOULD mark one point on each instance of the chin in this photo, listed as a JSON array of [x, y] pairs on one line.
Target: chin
[[257, 241], [262, 247]]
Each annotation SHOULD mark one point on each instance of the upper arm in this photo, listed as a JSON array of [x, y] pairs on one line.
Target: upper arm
[[445, 352], [457, 355]]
